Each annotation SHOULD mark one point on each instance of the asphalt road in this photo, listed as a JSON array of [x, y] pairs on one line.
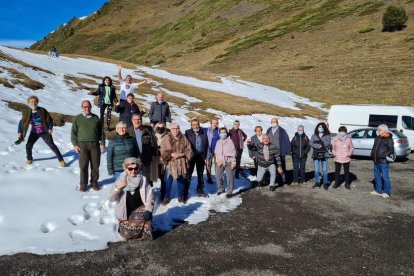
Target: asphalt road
[[292, 231]]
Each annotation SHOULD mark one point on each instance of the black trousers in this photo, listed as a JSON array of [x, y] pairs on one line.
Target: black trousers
[[239, 153], [108, 108], [90, 153], [197, 162], [299, 165], [33, 137], [338, 172]]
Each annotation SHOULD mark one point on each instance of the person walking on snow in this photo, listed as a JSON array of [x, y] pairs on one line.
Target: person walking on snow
[[42, 127]]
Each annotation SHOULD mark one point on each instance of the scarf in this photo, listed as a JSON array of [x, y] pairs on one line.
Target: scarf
[[132, 183]]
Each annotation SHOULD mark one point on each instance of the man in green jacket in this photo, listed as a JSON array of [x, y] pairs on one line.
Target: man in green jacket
[[88, 142]]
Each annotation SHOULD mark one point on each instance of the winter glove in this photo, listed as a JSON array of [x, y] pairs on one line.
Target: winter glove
[[147, 215]]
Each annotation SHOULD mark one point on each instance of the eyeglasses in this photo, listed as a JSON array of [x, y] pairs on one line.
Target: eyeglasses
[[132, 169]]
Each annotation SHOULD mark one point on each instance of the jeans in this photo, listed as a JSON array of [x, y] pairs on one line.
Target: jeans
[[299, 165], [261, 172], [382, 170], [168, 185], [197, 162], [324, 170]]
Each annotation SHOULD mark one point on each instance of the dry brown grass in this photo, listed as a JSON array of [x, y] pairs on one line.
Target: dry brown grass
[[23, 79], [6, 83], [77, 83], [14, 60], [235, 105]]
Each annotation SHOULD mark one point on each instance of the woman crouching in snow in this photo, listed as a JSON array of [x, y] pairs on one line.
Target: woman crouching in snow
[[134, 202]]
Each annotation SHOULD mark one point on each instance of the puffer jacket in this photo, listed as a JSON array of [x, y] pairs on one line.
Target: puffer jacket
[[274, 154], [119, 148], [342, 149], [119, 197], [300, 146], [383, 146]]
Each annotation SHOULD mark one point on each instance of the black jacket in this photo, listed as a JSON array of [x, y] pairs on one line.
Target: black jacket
[[191, 136], [126, 110], [383, 146], [300, 146], [274, 154], [101, 93], [149, 144]]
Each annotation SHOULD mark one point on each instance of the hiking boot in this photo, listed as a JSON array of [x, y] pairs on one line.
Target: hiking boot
[[202, 194], [386, 196], [348, 186], [29, 162], [335, 186], [325, 187], [62, 164], [82, 188], [272, 188], [182, 199], [317, 185], [375, 193], [220, 192], [95, 186]]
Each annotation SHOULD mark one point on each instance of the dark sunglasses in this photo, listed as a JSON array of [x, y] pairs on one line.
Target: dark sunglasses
[[132, 169]]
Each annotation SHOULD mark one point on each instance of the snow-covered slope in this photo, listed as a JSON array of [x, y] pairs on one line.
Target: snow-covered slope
[[41, 209]]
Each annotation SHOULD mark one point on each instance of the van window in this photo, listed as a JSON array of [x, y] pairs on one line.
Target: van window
[[408, 122], [398, 134], [389, 120]]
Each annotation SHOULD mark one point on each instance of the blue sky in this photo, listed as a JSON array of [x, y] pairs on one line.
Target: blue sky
[[23, 22]]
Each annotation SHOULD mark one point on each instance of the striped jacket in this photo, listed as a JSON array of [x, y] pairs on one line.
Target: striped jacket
[[274, 154]]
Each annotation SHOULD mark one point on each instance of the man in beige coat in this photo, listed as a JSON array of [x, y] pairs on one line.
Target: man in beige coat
[[175, 153]]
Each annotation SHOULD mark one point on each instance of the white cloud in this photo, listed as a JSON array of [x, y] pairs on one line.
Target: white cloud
[[17, 43]]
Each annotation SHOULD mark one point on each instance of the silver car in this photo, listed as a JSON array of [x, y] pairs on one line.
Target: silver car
[[363, 141]]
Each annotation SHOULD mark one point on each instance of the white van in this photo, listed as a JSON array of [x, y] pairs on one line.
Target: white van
[[359, 116]]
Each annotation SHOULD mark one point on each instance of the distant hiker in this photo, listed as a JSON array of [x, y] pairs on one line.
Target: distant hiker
[[342, 149], [42, 127], [300, 149], [126, 109], [147, 146], [279, 137], [159, 111], [201, 154], [175, 154], [321, 145], [213, 136], [127, 86], [107, 98], [53, 53], [225, 162], [134, 202], [382, 154], [120, 147], [267, 156], [255, 140], [157, 167], [238, 137], [87, 139]]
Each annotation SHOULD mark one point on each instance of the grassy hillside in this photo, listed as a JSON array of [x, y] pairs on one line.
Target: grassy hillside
[[328, 50]]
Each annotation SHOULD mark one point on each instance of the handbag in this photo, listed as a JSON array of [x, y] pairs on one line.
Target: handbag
[[136, 228]]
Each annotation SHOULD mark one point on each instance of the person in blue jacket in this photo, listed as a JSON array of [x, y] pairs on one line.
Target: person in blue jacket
[[213, 136]]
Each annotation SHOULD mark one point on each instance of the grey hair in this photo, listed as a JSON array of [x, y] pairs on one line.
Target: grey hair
[[301, 126], [131, 161], [383, 127], [120, 124]]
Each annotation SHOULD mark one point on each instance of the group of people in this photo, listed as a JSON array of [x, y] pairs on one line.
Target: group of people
[[139, 154]]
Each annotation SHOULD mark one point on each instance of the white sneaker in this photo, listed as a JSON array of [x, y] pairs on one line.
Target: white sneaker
[[375, 193], [384, 195]]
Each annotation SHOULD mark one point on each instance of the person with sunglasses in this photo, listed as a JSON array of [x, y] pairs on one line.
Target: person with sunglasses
[[134, 202]]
